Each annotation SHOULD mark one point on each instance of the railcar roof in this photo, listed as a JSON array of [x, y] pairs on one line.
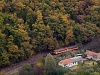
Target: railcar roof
[[59, 49], [64, 48]]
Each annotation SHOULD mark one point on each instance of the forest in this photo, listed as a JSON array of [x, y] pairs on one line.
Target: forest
[[31, 26]]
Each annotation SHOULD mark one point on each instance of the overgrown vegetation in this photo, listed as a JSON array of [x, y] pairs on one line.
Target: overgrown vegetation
[[50, 67], [29, 26]]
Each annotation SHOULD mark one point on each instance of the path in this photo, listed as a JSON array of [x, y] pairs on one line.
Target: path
[[17, 66]]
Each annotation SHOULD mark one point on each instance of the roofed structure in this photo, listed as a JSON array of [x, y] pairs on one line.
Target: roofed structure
[[70, 62], [76, 59], [66, 61], [92, 55]]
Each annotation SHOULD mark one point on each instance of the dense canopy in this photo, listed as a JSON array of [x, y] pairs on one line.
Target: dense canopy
[[29, 26]]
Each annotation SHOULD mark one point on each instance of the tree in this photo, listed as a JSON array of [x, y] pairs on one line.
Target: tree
[[69, 36], [40, 62], [23, 14], [4, 56], [60, 71], [13, 52], [83, 73], [50, 64], [26, 69], [4, 59], [39, 17], [38, 25]]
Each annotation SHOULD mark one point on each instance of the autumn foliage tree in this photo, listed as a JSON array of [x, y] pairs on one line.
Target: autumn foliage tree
[[30, 26]]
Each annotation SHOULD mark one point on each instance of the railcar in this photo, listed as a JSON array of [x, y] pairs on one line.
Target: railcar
[[62, 50]]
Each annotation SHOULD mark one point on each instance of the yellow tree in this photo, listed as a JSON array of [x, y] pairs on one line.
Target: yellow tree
[[4, 59], [12, 49], [97, 2], [39, 17], [69, 36]]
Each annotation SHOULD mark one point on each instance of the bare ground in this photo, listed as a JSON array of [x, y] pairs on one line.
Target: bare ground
[[17, 66], [94, 45]]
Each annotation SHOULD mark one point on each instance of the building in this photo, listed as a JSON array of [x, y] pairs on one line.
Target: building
[[79, 54], [70, 62], [98, 57], [92, 55]]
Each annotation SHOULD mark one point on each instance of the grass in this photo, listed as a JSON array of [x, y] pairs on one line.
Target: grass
[[90, 62], [87, 63]]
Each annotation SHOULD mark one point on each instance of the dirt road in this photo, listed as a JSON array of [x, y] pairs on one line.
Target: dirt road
[[17, 66]]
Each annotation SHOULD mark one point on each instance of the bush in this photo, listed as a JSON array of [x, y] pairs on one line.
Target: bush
[[26, 69]]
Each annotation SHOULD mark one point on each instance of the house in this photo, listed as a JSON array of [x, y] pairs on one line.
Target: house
[[98, 57], [92, 55], [79, 54], [70, 62]]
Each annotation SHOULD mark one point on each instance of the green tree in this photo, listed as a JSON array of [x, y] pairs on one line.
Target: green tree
[[50, 64], [40, 62], [60, 71], [26, 70], [83, 73]]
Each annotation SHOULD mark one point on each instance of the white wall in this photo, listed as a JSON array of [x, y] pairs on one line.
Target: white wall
[[89, 56], [60, 64], [71, 64]]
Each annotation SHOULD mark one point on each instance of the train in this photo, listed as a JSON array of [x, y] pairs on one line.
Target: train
[[62, 50]]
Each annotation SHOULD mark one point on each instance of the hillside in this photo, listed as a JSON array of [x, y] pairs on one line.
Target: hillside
[[31, 26], [94, 45]]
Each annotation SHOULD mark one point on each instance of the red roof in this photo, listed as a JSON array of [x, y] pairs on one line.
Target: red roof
[[66, 61], [90, 53], [98, 55]]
